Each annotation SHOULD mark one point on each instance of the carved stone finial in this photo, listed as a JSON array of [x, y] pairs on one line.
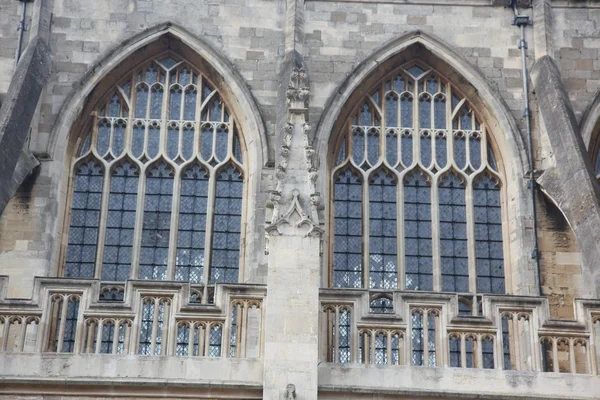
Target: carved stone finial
[[298, 89], [290, 392]]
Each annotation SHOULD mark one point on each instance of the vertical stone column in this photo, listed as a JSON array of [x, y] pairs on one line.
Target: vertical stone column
[[292, 305]]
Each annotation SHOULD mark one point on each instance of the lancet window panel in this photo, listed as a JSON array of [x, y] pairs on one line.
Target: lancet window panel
[[416, 191], [158, 181]]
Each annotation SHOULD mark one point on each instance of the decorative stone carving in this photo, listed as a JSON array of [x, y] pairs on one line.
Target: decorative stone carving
[[298, 188], [290, 392], [298, 89]]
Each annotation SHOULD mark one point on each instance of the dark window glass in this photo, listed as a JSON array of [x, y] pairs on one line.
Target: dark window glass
[[68, 345], [120, 223], [157, 223], [146, 322], [183, 340], [227, 227], [216, 334], [344, 339], [189, 264], [453, 235], [347, 252], [382, 232], [382, 305], [417, 233], [489, 251], [85, 216]]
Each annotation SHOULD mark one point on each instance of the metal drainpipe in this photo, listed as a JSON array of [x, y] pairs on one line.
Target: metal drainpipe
[[522, 21], [21, 29]]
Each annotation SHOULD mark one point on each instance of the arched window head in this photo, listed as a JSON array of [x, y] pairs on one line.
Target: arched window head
[[158, 181], [416, 190]]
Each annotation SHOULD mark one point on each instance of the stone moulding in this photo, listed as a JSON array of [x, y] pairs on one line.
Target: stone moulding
[[295, 216]]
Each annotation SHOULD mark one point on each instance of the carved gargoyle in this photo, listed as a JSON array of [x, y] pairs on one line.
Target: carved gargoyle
[[290, 392]]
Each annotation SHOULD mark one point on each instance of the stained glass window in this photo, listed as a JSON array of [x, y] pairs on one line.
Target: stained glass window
[[415, 160], [160, 141]]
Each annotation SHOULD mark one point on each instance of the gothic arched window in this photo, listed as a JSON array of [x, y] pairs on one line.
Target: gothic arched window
[[416, 191], [158, 181]]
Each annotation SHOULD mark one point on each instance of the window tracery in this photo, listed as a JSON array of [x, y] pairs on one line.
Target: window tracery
[[416, 191], [158, 182]]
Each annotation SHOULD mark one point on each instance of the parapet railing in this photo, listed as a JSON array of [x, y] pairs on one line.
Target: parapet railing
[[457, 330], [151, 318]]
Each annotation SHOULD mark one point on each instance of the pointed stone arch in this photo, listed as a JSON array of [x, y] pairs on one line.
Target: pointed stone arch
[[141, 47], [589, 128], [106, 73], [508, 143]]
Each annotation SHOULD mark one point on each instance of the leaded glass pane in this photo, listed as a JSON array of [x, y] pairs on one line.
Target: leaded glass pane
[[391, 110], [441, 155], [373, 146], [118, 140], [120, 223], [165, 99], [344, 326], [487, 350], [215, 340], [488, 236], [454, 346], [146, 322], [417, 233], [157, 223], [381, 349], [426, 149], [227, 227], [382, 305], [189, 263], [85, 217], [440, 143], [475, 151], [417, 339], [391, 148], [183, 340], [453, 234], [358, 145], [347, 252], [382, 232], [108, 331], [70, 326]]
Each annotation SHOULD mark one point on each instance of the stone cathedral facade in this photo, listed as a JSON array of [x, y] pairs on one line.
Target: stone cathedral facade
[[288, 199]]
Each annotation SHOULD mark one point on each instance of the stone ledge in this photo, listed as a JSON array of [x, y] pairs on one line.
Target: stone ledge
[[115, 370], [455, 383]]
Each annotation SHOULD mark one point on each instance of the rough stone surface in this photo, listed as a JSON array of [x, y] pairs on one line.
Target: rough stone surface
[[570, 182], [16, 116], [342, 46]]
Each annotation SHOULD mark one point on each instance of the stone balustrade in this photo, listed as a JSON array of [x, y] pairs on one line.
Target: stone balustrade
[[147, 318], [457, 330]]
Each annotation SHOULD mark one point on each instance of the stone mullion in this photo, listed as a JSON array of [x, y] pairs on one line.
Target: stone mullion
[[103, 221], [209, 327], [167, 328], [572, 364], [191, 337], [400, 253], [366, 268], [174, 231], [244, 330], [139, 222], [61, 329], [212, 183], [98, 346], [231, 159], [116, 329], [5, 332], [388, 347], [470, 220]]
